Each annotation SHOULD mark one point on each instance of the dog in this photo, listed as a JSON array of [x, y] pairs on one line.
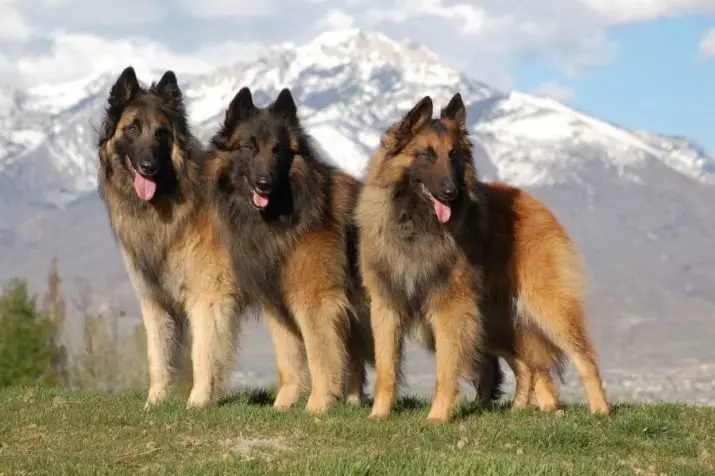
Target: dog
[[478, 270], [286, 217], [149, 180]]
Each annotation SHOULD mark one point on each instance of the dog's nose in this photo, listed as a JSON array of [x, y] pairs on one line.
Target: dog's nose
[[449, 191], [264, 184], [147, 166]]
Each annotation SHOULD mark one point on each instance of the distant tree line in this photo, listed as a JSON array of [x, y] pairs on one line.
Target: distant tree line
[[36, 348]]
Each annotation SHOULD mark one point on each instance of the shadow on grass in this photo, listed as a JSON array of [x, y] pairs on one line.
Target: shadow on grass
[[251, 396], [413, 404], [406, 404]]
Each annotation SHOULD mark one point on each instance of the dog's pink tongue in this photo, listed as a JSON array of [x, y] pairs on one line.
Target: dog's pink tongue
[[442, 211], [261, 201], [144, 187]]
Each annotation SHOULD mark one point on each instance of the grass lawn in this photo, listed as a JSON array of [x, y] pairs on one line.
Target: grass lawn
[[61, 432]]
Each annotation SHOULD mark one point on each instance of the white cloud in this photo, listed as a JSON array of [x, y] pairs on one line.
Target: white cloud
[[91, 15], [229, 8], [555, 91], [482, 37], [629, 11], [226, 53], [470, 18], [81, 55], [334, 20], [12, 25], [565, 33], [706, 47]]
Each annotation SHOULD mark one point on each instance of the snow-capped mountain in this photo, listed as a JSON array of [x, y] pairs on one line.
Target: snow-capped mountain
[[638, 204], [350, 85]]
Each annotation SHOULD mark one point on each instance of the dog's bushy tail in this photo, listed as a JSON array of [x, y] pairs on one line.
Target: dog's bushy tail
[[490, 380], [496, 391]]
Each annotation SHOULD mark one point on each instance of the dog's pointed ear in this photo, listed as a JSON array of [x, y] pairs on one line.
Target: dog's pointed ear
[[124, 88], [401, 133], [241, 107], [455, 110], [418, 116], [284, 105], [168, 85]]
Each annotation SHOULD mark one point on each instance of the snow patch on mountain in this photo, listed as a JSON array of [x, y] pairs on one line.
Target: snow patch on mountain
[[340, 149], [539, 141], [350, 85]]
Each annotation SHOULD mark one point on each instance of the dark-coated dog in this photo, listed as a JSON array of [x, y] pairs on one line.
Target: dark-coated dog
[[285, 215]]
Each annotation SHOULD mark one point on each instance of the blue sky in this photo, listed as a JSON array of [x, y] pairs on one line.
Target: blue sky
[[656, 80]]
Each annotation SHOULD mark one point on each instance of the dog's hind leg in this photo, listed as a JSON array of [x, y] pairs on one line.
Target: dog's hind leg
[[524, 382], [562, 320], [355, 382], [581, 353], [542, 356], [547, 396], [214, 321], [163, 339], [290, 357], [360, 352]]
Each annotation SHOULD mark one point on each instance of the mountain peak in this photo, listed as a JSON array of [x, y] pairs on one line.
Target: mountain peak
[[365, 51], [361, 39], [345, 35]]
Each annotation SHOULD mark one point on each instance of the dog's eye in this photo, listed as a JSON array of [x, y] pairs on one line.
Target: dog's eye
[[162, 133], [279, 148], [249, 144], [131, 130], [453, 154]]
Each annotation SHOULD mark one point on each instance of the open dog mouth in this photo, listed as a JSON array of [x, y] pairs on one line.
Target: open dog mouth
[[145, 187], [259, 200], [441, 209]]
